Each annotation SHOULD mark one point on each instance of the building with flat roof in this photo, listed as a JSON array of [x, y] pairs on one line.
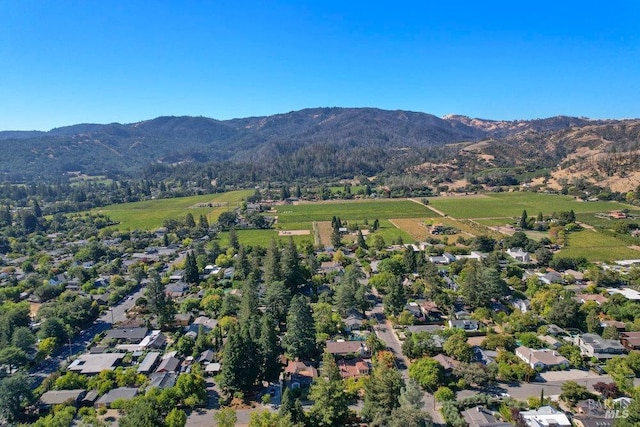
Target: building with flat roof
[[91, 364], [545, 416]]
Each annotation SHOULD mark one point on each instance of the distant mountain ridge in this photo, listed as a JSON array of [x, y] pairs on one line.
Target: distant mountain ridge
[[115, 148]]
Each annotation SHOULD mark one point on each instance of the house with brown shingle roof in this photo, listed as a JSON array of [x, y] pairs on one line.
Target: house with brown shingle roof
[[446, 362], [630, 340], [353, 368], [299, 373]]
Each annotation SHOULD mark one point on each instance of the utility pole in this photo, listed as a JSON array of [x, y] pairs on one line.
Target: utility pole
[[70, 350]]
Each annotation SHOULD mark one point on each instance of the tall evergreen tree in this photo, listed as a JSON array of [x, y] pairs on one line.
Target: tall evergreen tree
[[300, 339], [336, 238], [471, 286], [189, 221], [203, 222], [292, 407], [277, 300], [292, 272], [239, 370], [158, 301], [382, 391], [409, 260], [242, 264], [330, 401], [37, 211], [360, 241], [191, 274], [272, 271], [395, 299], [248, 315], [269, 350], [523, 224], [233, 238]]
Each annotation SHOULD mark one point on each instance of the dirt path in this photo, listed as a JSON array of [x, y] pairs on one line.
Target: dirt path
[[322, 232], [439, 212]]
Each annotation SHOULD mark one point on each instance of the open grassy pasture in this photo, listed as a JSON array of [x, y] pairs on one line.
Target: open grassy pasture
[[498, 205], [413, 226], [356, 210], [261, 238], [597, 247], [150, 214], [496, 222], [390, 233]]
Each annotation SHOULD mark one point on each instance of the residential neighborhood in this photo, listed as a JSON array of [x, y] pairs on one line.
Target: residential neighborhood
[[127, 321]]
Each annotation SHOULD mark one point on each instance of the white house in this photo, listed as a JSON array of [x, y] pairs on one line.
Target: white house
[[519, 254], [541, 359], [546, 416]]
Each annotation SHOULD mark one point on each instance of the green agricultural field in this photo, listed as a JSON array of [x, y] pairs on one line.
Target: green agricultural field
[[261, 238], [357, 210], [151, 214], [597, 247], [304, 225], [496, 222], [600, 221], [390, 233], [504, 205]]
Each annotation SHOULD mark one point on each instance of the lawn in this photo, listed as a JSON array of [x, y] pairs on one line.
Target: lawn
[[597, 247], [504, 205], [150, 214]]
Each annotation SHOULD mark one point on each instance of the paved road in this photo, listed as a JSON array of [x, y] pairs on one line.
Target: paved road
[[524, 391], [384, 331]]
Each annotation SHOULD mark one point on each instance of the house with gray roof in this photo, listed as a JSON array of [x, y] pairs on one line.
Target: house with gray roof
[[162, 380], [150, 361], [126, 393], [169, 364], [128, 335], [94, 363], [59, 397], [593, 345], [480, 416]]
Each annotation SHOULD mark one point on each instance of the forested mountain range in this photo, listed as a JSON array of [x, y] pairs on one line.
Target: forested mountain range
[[316, 143]]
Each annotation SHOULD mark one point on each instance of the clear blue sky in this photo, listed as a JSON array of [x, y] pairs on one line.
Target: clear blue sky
[[65, 62]]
